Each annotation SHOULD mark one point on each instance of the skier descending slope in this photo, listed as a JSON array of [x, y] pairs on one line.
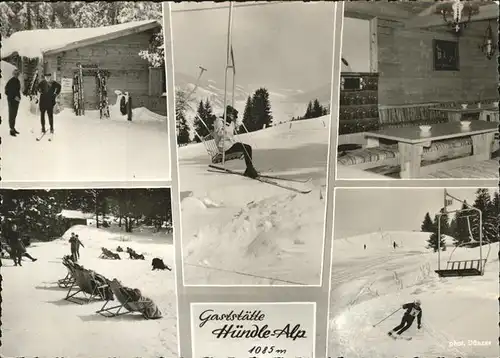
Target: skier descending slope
[[49, 90], [224, 139], [413, 310]]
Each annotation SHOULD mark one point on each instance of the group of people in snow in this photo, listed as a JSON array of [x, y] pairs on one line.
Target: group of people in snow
[[15, 245], [75, 244], [48, 90], [224, 139]]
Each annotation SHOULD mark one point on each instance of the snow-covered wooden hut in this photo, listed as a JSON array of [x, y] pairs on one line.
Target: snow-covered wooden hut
[[74, 217], [114, 50]]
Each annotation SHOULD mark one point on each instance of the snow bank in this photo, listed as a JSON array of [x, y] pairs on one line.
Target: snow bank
[[368, 287], [35, 313], [33, 43], [267, 238]]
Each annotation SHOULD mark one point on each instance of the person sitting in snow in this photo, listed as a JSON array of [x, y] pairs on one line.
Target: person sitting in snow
[[49, 90], [413, 310], [224, 139]]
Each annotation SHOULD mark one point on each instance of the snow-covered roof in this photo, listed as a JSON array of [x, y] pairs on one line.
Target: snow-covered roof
[[75, 214], [35, 43]]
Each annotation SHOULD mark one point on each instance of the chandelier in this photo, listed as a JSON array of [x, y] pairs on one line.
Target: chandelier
[[457, 14], [488, 47]]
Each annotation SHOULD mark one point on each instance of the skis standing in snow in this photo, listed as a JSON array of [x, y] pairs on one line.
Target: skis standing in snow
[[224, 139], [413, 310], [13, 93], [49, 90]]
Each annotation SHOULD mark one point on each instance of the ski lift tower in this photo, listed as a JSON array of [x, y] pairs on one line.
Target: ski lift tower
[[229, 66], [464, 267]]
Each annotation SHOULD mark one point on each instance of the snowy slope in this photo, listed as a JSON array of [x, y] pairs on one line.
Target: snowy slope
[[33, 43], [241, 225], [368, 285], [85, 148], [36, 321]]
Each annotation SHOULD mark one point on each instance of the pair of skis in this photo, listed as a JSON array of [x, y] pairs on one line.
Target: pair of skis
[[50, 137], [396, 337], [268, 179]]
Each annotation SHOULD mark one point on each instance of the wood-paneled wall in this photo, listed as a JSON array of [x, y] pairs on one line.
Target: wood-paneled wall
[[405, 65], [120, 57]]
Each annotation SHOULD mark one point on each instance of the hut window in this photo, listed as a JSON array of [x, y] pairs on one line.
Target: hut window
[[59, 63], [356, 44]]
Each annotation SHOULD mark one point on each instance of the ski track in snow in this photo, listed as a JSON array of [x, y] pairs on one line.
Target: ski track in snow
[[241, 231], [37, 321], [368, 285], [85, 148]]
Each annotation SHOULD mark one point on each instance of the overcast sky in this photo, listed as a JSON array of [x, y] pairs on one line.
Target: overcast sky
[[281, 45], [361, 211]]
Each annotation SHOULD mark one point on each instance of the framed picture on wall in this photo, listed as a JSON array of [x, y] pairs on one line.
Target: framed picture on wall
[[445, 55]]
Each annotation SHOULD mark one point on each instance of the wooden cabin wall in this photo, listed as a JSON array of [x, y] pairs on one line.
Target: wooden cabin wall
[[405, 65], [127, 71]]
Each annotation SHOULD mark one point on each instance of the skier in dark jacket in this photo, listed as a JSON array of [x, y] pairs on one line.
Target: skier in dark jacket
[[49, 90], [413, 310], [13, 93]]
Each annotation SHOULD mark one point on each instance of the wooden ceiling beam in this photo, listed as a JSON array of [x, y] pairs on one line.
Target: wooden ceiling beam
[[486, 12]]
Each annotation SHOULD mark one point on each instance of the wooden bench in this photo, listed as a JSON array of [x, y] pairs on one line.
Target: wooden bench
[[401, 116]]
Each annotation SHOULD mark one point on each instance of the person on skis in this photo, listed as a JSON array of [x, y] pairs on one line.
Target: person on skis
[[413, 310], [224, 139], [13, 93], [48, 90]]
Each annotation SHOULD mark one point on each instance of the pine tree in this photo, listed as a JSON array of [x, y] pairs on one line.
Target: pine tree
[[182, 126], [261, 110], [461, 231], [317, 109], [204, 112], [433, 242], [183, 129], [483, 203], [248, 118], [210, 116], [309, 111], [427, 224]]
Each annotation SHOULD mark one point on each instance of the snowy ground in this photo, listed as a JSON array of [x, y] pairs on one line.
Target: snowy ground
[[37, 321], [368, 285], [84, 148], [240, 231]]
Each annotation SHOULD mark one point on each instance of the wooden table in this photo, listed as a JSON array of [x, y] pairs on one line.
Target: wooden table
[[455, 113], [411, 144]]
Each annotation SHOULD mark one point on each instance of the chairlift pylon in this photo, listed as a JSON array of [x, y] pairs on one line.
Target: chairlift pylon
[[461, 268]]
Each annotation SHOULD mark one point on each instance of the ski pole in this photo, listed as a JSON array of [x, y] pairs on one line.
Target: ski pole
[[376, 324]]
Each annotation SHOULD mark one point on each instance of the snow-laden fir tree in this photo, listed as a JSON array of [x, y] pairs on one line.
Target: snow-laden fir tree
[[427, 224]]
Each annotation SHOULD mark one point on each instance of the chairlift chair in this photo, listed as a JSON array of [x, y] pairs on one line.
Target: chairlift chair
[[464, 268]]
